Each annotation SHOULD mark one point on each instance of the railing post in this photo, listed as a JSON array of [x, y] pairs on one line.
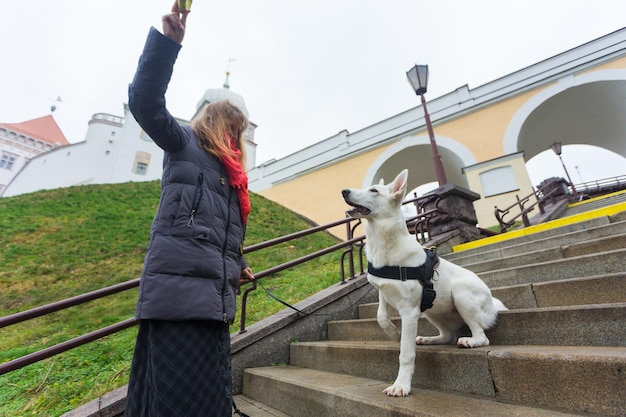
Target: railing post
[[244, 306], [350, 235], [540, 202]]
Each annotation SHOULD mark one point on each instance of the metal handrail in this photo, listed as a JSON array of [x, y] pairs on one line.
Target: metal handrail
[[520, 203], [117, 288], [64, 346], [602, 186], [287, 265], [70, 302], [421, 219], [585, 190]]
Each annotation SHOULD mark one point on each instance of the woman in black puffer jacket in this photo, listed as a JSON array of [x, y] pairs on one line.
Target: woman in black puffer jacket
[[194, 265]]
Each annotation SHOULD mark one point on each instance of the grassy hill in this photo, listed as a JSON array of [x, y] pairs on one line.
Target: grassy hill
[[60, 243]]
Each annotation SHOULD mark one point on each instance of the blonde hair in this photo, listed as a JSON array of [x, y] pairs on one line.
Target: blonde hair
[[219, 120]]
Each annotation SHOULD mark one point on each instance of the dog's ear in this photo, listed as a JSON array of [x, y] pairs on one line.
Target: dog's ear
[[398, 186]]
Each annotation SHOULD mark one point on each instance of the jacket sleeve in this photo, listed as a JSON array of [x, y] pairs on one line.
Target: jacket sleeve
[[146, 93]]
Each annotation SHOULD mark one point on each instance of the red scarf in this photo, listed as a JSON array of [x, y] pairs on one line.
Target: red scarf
[[237, 178]]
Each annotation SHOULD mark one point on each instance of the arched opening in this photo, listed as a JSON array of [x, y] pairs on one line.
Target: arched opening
[[415, 154], [584, 163]]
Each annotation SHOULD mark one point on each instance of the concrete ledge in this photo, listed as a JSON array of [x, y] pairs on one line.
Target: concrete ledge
[[110, 404]]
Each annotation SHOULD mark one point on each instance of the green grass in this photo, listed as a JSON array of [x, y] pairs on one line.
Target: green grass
[[514, 226], [60, 243]]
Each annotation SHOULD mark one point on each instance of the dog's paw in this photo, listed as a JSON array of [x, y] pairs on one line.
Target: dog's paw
[[424, 340], [397, 390], [472, 342], [419, 340]]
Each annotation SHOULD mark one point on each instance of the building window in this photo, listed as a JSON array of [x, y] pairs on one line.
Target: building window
[[498, 181], [7, 161], [141, 169], [142, 160]]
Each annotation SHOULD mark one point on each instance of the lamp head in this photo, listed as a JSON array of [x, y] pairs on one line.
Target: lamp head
[[556, 147], [418, 78]]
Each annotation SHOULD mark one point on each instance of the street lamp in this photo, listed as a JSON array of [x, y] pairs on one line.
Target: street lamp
[[556, 147], [418, 78]]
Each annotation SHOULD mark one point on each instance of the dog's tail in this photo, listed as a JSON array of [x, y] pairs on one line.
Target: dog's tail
[[498, 305]]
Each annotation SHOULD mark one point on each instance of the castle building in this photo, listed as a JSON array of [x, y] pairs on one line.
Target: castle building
[[115, 150], [21, 142]]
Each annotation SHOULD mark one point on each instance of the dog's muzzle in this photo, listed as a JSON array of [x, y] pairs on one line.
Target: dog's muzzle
[[357, 209]]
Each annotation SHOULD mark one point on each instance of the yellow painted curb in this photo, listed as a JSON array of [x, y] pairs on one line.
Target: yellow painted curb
[[553, 224], [580, 203]]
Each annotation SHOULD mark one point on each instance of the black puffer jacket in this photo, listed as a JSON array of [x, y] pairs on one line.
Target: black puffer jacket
[[194, 261]]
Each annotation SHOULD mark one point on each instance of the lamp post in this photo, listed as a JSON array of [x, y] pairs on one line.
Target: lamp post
[[418, 78], [556, 147]]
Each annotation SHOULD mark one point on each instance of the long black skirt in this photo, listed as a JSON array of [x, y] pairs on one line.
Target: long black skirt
[[180, 369]]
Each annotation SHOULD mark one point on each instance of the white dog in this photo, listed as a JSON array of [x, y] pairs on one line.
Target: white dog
[[461, 297]]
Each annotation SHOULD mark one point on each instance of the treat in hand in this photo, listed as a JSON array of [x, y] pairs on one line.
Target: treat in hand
[[184, 5]]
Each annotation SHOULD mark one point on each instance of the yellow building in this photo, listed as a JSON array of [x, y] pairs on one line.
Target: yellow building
[[484, 135]]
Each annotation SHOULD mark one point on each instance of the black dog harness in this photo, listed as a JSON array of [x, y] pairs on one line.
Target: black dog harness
[[423, 273]]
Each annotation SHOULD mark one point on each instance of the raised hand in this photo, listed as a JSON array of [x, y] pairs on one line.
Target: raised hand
[[174, 23]]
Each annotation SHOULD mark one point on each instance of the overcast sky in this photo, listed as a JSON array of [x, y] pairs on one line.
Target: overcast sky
[[307, 69]]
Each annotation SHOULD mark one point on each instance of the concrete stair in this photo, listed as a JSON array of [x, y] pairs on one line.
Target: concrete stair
[[560, 350], [613, 198]]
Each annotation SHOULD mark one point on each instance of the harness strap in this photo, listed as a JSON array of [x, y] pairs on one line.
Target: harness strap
[[423, 273]]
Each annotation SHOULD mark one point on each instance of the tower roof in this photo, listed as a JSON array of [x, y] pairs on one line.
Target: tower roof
[[44, 128], [225, 93]]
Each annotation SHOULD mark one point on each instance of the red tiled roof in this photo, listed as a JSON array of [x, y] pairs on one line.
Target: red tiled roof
[[44, 128]]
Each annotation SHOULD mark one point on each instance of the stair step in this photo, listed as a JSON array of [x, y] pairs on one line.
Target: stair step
[[255, 408], [560, 349], [588, 247], [586, 325], [474, 256], [601, 289], [608, 262], [575, 379], [531, 237], [303, 392], [615, 198]]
